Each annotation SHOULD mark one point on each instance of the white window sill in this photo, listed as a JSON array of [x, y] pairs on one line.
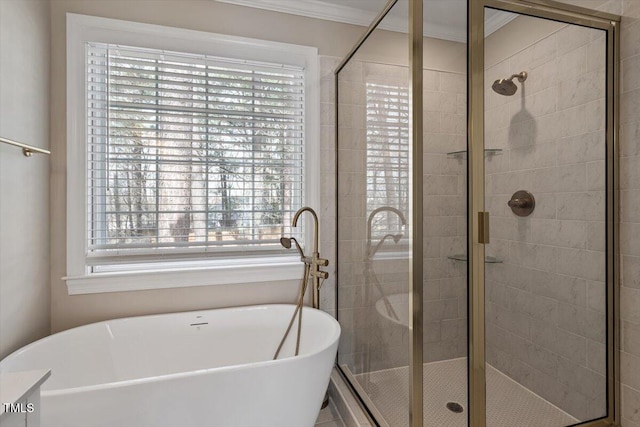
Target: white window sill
[[265, 271]]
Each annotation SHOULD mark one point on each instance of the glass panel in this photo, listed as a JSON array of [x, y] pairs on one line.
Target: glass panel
[[374, 173], [373, 220], [445, 215], [546, 271]]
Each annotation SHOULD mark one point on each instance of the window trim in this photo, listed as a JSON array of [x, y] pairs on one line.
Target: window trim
[[82, 29]]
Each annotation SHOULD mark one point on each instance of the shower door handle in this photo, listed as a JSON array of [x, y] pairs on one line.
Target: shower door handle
[[483, 227]]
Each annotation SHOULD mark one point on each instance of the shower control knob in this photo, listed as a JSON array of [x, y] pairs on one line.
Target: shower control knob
[[522, 203], [518, 203]]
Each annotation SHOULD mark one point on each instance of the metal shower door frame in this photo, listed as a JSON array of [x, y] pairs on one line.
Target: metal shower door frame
[[477, 230], [477, 217]]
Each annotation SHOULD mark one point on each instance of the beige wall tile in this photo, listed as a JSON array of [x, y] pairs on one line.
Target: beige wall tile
[[567, 289], [631, 338], [533, 157], [629, 303], [631, 271], [630, 74], [572, 37], [582, 321], [630, 205], [559, 341], [581, 148], [597, 357], [630, 407], [628, 371], [596, 51], [630, 170], [551, 232], [581, 89], [596, 296], [629, 242], [588, 206], [629, 106], [630, 39]]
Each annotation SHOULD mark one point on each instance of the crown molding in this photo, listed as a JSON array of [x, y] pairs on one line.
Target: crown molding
[[345, 14], [350, 15], [312, 9]]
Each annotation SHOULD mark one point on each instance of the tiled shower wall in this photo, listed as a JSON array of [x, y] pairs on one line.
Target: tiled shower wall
[[369, 341], [445, 215], [327, 209], [545, 302], [630, 213]]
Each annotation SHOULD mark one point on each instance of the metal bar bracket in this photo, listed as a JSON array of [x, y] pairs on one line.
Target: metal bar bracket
[[27, 150]]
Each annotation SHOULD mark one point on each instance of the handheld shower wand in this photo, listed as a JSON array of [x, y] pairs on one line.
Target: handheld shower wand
[[286, 243]]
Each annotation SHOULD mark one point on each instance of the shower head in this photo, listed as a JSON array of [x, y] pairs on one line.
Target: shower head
[[506, 86], [286, 243]]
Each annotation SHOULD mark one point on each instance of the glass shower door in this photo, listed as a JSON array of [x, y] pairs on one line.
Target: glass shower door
[[546, 140]]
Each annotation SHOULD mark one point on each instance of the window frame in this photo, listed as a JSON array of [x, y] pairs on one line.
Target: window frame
[[82, 29]]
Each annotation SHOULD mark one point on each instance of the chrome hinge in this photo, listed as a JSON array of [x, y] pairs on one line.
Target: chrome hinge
[[483, 227]]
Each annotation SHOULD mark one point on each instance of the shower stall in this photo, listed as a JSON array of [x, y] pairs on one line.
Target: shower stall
[[476, 214]]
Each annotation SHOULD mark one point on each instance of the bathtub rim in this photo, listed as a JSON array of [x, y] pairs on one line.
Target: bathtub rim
[[332, 340]]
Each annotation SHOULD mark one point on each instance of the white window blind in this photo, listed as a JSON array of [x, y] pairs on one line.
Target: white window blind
[[387, 142], [190, 155]]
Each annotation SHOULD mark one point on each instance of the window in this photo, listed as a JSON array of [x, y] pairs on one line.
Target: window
[[387, 143], [194, 150]]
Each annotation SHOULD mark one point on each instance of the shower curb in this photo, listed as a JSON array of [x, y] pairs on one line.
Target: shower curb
[[347, 405]]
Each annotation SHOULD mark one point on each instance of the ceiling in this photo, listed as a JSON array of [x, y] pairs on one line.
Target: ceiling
[[444, 19]]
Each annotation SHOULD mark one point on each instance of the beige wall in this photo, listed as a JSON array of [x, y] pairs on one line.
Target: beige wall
[[24, 189], [630, 213]]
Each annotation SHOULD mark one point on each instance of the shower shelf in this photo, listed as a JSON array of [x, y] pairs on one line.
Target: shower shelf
[[487, 260], [489, 151]]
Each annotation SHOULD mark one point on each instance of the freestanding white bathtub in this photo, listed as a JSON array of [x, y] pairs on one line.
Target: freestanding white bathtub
[[206, 368]]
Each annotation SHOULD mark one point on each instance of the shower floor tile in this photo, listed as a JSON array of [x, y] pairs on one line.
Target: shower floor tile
[[508, 403]]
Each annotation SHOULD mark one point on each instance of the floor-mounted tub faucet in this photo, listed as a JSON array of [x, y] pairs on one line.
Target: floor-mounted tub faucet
[[311, 270], [315, 262]]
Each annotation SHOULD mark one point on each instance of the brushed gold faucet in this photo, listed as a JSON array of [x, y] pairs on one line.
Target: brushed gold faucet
[[314, 262], [311, 269]]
